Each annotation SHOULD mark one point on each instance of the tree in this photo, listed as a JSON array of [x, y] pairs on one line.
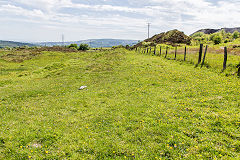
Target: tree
[[200, 37], [198, 34], [223, 34], [73, 46], [84, 47], [235, 35]]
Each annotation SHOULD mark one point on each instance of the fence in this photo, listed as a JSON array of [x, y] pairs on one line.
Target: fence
[[223, 59]]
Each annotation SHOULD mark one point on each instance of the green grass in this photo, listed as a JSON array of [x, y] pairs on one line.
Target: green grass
[[214, 58], [135, 107]]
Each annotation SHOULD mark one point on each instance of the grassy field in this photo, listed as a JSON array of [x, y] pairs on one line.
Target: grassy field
[[135, 107]]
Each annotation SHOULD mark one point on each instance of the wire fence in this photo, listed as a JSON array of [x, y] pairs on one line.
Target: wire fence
[[222, 59]]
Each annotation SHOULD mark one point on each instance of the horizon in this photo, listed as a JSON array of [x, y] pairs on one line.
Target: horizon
[[46, 20], [71, 41]]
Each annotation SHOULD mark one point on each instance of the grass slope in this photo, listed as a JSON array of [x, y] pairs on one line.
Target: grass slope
[[135, 106]]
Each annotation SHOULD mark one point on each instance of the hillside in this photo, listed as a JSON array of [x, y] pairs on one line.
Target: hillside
[[210, 31], [95, 43], [170, 37], [14, 44]]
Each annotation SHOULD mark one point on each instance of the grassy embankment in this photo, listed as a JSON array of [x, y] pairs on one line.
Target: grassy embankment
[[135, 106]]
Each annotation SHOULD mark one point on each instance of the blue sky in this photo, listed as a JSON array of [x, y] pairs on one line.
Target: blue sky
[[47, 20]]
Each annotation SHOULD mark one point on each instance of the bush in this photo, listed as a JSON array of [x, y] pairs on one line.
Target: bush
[[198, 34], [84, 47], [147, 44], [24, 47], [6, 48], [235, 35], [119, 46], [200, 37], [73, 46], [217, 39], [226, 40]]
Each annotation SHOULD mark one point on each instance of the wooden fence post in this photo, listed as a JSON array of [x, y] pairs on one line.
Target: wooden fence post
[[205, 53], [147, 50], [166, 52], [175, 53], [200, 53], [225, 59], [150, 51], [185, 53]]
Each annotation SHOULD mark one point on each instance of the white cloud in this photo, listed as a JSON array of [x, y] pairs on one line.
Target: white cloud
[[187, 15], [14, 10], [46, 5]]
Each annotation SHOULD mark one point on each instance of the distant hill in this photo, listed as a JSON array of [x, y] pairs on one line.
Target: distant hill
[[14, 44], [95, 43], [211, 31], [170, 37]]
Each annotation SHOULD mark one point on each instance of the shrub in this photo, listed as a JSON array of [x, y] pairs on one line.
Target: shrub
[[226, 40], [223, 34], [6, 48], [119, 46], [84, 47], [217, 39], [235, 35], [24, 47], [127, 47], [73, 46], [200, 37], [198, 34], [147, 44]]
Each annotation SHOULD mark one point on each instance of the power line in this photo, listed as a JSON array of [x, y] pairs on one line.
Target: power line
[[63, 39], [148, 29]]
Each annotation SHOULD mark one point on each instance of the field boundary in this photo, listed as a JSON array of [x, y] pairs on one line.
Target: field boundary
[[201, 59]]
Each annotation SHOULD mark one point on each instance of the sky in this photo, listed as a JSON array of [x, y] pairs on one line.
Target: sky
[[47, 20]]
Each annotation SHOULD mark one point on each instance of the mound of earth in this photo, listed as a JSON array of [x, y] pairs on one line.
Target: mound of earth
[[171, 37], [21, 54]]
